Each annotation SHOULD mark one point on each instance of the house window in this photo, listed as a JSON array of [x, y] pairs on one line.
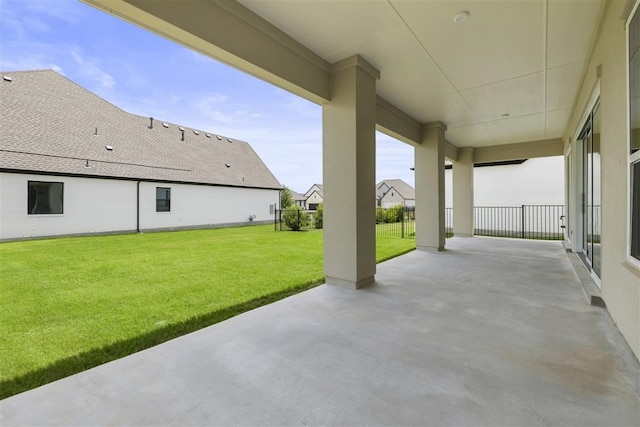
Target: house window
[[45, 198], [163, 199], [634, 131]]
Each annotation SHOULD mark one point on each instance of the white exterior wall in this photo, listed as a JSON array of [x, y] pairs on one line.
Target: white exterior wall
[[90, 206], [538, 181], [201, 205], [93, 205]]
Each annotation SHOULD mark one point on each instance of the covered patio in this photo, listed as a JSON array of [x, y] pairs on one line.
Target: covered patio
[[488, 332]]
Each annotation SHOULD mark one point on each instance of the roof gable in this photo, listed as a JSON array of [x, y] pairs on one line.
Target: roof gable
[[314, 187], [404, 189]]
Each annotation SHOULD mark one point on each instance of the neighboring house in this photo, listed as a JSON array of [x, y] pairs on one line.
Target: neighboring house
[[72, 163], [393, 192], [313, 197], [298, 199]]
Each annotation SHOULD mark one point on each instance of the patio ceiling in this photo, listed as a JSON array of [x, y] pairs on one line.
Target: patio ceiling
[[521, 58], [507, 74]]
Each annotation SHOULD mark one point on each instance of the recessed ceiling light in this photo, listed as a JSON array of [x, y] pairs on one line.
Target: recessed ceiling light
[[461, 16], [506, 115]]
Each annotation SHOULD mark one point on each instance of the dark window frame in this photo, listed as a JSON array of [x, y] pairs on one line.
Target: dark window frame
[[38, 204], [163, 204], [633, 31]]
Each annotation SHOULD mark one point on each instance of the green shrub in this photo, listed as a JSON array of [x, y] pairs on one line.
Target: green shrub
[[295, 218], [286, 199], [380, 215], [317, 216], [394, 213]]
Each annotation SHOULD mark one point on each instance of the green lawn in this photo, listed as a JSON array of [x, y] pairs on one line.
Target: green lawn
[[73, 303]]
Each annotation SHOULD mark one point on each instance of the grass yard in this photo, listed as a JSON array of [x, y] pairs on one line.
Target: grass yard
[[69, 304]]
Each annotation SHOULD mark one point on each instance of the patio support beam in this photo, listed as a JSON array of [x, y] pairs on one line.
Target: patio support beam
[[429, 169], [520, 150], [348, 141], [463, 193]]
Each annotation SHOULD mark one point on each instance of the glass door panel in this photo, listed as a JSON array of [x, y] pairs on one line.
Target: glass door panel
[[596, 255]]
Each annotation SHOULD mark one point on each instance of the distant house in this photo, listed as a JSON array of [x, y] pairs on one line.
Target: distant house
[[298, 199], [313, 197], [393, 192], [72, 163]]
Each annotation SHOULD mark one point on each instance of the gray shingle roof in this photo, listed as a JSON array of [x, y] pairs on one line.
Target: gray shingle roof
[[297, 196], [404, 189], [50, 124]]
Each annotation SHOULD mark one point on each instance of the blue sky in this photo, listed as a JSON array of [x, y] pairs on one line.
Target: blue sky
[[145, 74]]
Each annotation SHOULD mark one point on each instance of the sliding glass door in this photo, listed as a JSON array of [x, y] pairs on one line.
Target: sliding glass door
[[591, 220]]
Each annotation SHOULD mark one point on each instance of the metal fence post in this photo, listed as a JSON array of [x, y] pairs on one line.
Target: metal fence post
[[402, 224], [522, 220]]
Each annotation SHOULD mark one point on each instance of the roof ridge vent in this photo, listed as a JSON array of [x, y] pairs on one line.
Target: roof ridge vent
[[219, 137], [208, 135], [196, 132], [230, 140], [165, 124], [7, 79]]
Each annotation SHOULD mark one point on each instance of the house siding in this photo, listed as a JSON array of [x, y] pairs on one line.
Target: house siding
[[90, 206], [392, 198], [202, 206], [314, 198], [94, 205]]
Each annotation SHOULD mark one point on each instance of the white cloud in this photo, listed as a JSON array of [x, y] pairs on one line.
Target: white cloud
[[31, 62], [64, 10], [90, 68]]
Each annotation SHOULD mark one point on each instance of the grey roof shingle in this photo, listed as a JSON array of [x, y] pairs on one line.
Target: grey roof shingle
[[404, 189], [50, 124]]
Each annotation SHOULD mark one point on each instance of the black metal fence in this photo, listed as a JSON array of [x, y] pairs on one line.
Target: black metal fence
[[398, 222], [544, 222]]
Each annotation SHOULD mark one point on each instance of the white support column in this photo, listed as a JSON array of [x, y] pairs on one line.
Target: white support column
[[463, 220], [429, 168], [348, 141]]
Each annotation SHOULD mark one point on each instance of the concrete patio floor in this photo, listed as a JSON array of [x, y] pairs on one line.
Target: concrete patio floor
[[489, 332]]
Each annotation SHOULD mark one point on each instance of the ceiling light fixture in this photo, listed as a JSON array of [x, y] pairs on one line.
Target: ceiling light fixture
[[506, 115], [461, 16]]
